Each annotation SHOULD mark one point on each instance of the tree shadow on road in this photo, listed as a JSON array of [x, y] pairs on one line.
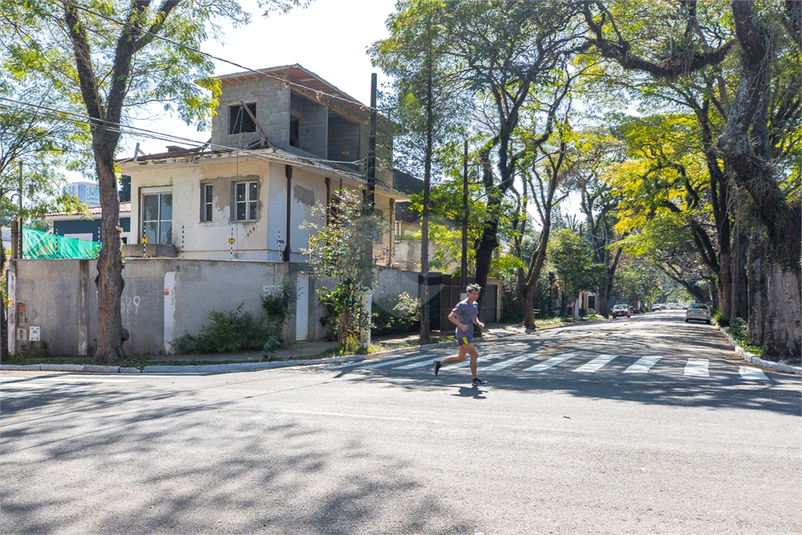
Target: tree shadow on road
[[173, 462]]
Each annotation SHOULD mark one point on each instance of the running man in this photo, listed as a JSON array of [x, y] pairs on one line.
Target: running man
[[464, 316]]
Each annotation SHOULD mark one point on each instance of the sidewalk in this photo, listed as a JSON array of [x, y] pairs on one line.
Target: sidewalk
[[306, 353], [303, 353]]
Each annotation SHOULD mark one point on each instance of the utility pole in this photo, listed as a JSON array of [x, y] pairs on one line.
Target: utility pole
[[371, 171], [464, 263], [370, 193], [19, 220], [427, 178]]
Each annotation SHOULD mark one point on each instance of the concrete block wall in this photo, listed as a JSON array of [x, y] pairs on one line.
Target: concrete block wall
[[163, 299], [313, 125], [344, 137], [272, 100]]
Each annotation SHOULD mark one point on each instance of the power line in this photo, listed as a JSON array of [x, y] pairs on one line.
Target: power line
[[150, 134], [223, 60]]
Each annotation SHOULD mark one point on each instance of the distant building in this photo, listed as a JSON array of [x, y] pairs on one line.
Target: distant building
[[83, 227], [87, 192]]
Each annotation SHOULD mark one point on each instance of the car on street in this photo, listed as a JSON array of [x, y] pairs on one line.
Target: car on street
[[620, 311], [699, 312], [656, 308]]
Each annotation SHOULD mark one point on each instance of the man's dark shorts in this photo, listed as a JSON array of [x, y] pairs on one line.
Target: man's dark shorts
[[464, 340]]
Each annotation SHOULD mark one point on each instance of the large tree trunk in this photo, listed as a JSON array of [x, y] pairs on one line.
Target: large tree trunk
[[757, 289], [740, 280], [109, 278], [744, 145], [603, 300], [783, 320], [484, 256], [3, 316]]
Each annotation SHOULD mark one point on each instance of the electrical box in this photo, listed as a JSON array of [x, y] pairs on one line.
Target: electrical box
[[34, 333], [22, 334]]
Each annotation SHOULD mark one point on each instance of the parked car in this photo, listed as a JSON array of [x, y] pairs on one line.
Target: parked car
[[698, 311], [621, 311], [656, 308]]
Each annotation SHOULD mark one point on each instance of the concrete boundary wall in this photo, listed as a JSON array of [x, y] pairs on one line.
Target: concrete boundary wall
[[163, 299]]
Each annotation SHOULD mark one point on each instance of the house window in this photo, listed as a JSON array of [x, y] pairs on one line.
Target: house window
[[239, 121], [245, 200], [157, 218], [207, 196]]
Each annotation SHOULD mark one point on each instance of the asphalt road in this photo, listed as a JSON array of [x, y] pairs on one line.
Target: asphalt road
[[647, 425]]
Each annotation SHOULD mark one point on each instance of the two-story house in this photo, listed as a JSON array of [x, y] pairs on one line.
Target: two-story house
[[283, 140]]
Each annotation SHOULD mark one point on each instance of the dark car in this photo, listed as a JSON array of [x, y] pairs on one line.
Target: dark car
[[621, 311]]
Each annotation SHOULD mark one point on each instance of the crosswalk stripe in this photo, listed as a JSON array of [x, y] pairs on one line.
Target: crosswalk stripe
[[643, 365], [697, 368], [84, 379], [467, 362], [553, 361], [752, 374], [694, 367], [381, 364], [414, 365], [509, 362], [596, 364], [14, 395]]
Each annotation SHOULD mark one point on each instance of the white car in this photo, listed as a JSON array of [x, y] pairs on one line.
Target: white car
[[698, 311]]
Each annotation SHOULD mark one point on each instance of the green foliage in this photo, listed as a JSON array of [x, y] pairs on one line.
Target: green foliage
[[278, 311], [637, 281], [228, 331], [572, 259], [342, 250], [739, 330], [396, 314]]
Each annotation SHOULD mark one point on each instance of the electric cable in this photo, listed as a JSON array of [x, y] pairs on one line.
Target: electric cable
[[216, 58]]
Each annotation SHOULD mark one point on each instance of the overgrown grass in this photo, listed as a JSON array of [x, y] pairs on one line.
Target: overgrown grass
[[738, 331], [552, 322]]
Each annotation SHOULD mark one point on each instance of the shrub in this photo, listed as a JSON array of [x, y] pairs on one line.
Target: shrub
[[739, 331], [228, 331], [278, 311], [396, 314]]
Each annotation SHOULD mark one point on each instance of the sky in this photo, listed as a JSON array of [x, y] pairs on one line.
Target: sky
[[329, 38]]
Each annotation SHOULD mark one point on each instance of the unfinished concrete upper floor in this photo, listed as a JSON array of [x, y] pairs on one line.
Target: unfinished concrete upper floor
[[295, 110]]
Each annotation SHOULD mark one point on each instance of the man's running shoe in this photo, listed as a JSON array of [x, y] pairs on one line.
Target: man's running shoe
[[436, 367], [476, 382]]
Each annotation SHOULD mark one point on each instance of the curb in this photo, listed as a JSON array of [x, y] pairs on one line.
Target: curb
[[757, 361], [210, 369], [80, 368]]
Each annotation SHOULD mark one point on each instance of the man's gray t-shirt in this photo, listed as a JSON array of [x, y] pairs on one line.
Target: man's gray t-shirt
[[466, 312]]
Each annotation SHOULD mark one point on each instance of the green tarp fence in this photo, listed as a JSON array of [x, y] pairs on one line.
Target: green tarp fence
[[38, 244]]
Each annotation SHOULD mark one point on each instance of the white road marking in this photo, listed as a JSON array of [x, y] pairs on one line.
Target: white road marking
[[553, 361], [596, 364], [426, 362], [467, 362], [697, 368], [385, 362], [752, 374], [643, 365], [84, 379], [509, 362], [13, 395]]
